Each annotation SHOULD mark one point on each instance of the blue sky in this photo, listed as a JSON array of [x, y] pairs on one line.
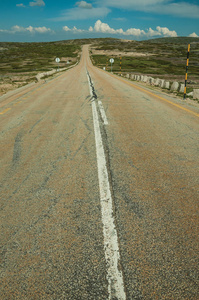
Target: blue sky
[[50, 20]]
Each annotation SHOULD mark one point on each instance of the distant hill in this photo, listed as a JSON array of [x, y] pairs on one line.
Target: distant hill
[[165, 40], [173, 40], [90, 41]]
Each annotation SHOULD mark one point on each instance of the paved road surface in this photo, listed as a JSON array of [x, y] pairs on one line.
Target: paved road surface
[[99, 190]]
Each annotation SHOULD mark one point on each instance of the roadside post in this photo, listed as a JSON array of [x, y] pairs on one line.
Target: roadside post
[[120, 65], [111, 61], [57, 59], [185, 86]]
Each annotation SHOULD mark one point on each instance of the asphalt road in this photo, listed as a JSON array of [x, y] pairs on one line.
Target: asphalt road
[[99, 190]]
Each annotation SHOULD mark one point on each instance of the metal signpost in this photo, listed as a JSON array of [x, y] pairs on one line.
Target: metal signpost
[[111, 61], [57, 61]]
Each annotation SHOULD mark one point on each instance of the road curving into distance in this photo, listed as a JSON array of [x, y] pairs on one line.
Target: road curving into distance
[[99, 190]]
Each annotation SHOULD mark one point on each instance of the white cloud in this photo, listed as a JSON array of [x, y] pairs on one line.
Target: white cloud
[[152, 32], [166, 32], [74, 29], [84, 4], [77, 14], [66, 28], [168, 7], [131, 4], [103, 27], [160, 31], [193, 35], [17, 28], [135, 32], [83, 11], [42, 29], [37, 3], [180, 9], [29, 29], [20, 5]]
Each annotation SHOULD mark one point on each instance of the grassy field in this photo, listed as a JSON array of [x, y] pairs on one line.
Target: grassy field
[[20, 62], [28, 57], [164, 57]]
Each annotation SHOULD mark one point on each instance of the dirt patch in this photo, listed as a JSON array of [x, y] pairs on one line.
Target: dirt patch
[[4, 88], [13, 81], [120, 53]]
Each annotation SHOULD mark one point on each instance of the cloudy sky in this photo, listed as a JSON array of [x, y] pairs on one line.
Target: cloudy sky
[[50, 20]]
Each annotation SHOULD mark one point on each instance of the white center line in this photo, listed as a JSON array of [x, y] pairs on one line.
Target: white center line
[[112, 254], [103, 114]]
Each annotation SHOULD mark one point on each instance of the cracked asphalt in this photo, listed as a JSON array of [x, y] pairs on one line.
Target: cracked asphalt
[[51, 233]]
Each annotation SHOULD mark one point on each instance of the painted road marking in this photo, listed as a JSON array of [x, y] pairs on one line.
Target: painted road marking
[[111, 248], [154, 95], [103, 114], [17, 103], [4, 111]]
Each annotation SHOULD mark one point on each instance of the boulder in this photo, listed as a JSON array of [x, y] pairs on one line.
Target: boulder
[[190, 94], [175, 86], [151, 80], [161, 83], [39, 76], [167, 85], [156, 82], [132, 76], [181, 90], [145, 78], [148, 79], [196, 94]]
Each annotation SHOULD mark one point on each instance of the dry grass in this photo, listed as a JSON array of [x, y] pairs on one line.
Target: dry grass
[[21, 62], [164, 58]]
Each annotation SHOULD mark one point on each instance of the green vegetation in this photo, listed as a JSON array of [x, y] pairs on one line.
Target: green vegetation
[[20, 62], [150, 65], [164, 56], [29, 57]]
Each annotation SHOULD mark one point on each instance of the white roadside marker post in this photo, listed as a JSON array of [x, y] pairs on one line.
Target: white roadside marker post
[[57, 61], [111, 61], [185, 86]]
